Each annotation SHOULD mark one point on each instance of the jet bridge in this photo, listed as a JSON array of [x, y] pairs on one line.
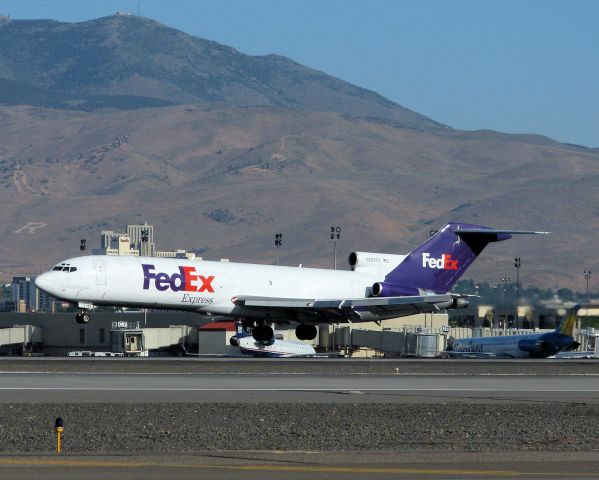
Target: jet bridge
[[20, 337], [138, 342]]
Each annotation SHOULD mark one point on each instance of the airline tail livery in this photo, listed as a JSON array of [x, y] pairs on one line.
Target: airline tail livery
[[379, 286]]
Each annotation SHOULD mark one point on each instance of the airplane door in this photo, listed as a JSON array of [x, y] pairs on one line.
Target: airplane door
[[100, 272]]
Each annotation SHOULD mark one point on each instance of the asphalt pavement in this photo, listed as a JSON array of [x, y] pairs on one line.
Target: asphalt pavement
[[299, 419], [65, 387]]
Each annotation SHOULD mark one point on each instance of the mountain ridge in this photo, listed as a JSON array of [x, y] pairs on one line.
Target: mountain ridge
[[135, 56]]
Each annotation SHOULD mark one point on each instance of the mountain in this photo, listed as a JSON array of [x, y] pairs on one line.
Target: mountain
[[81, 152], [125, 61]]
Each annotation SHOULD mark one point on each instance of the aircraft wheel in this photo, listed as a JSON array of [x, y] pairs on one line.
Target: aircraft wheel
[[305, 332], [300, 332], [310, 332], [263, 333]]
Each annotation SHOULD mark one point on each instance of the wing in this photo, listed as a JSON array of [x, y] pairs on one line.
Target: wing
[[347, 309], [452, 354]]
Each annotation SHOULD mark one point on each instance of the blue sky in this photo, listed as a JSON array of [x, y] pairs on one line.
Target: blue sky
[[527, 66]]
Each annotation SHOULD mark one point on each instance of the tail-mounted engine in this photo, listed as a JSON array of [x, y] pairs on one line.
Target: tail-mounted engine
[[374, 263]]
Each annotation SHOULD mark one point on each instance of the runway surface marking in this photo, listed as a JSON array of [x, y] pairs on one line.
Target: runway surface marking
[[298, 374], [292, 389], [62, 462], [287, 383]]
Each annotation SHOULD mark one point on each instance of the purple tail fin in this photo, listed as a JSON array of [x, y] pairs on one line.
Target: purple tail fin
[[439, 262]]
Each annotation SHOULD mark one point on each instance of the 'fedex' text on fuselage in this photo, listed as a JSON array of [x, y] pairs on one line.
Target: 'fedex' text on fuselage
[[186, 280]]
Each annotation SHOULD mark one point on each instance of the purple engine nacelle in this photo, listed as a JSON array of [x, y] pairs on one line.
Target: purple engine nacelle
[[385, 289]]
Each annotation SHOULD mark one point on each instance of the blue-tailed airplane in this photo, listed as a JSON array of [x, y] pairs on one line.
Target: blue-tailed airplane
[[531, 345], [380, 285]]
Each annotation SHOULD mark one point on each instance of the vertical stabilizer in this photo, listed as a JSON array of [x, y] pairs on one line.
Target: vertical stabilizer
[[439, 262], [566, 326]]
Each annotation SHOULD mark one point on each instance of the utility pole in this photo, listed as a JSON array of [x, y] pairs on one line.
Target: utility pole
[[278, 243], [335, 235]]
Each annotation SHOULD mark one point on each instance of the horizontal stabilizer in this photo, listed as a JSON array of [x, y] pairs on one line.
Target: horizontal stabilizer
[[489, 231]]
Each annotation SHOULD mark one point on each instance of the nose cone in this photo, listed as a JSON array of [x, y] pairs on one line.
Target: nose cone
[[44, 282]]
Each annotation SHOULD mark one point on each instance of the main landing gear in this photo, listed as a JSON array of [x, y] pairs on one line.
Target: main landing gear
[[263, 333], [82, 317], [305, 332]]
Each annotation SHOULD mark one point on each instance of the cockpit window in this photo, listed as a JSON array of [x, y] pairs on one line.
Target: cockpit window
[[64, 267]]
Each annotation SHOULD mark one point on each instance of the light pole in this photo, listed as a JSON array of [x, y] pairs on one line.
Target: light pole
[[517, 264], [278, 243], [587, 277], [335, 235], [506, 281]]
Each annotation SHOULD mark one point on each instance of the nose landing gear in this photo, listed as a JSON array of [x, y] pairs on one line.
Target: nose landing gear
[[82, 317]]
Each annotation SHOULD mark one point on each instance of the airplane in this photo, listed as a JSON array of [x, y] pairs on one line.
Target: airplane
[[379, 286], [275, 348], [531, 345]]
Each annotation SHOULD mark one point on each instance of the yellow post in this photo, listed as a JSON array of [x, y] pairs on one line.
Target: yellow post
[[58, 428]]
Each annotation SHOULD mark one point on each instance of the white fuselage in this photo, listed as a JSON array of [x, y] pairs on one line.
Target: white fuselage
[[510, 345], [194, 285], [498, 346]]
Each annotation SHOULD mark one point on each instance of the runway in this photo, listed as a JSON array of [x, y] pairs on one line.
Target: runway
[[306, 419], [51, 387]]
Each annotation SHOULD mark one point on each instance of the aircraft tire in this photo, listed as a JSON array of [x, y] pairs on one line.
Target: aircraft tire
[[305, 332], [300, 332], [310, 332], [263, 333]]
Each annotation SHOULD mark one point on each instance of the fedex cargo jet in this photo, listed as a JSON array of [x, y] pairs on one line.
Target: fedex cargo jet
[[379, 286]]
